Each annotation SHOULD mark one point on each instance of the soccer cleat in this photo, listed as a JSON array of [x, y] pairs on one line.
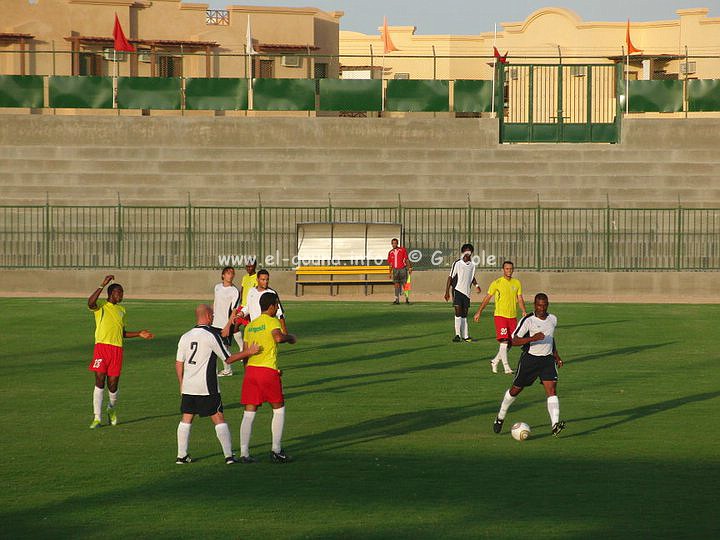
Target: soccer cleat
[[493, 366], [225, 373], [95, 423], [509, 372], [112, 416], [497, 425], [247, 459], [457, 339], [407, 300], [557, 428], [468, 339], [396, 302], [231, 460], [280, 457], [183, 460]]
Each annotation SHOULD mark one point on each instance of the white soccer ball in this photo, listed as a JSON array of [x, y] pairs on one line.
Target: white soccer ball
[[520, 431]]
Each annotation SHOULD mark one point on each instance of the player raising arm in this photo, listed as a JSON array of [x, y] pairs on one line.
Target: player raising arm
[[108, 352]]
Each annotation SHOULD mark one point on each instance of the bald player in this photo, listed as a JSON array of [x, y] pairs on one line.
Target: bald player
[[196, 368]]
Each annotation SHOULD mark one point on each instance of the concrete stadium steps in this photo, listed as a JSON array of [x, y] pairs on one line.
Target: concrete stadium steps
[[252, 167], [358, 162]]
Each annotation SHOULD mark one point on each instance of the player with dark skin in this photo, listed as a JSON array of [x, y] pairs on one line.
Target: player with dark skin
[[115, 296], [540, 308], [458, 310]]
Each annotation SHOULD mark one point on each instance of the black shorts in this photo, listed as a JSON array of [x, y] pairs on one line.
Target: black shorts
[[460, 300], [201, 405], [531, 367]]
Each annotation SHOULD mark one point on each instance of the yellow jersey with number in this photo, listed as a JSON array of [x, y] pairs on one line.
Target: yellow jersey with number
[[260, 331], [506, 292], [109, 323]]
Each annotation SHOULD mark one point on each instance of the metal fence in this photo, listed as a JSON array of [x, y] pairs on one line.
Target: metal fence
[[184, 237]]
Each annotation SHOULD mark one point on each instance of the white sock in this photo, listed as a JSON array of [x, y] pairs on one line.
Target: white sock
[[97, 401], [458, 326], [223, 434], [225, 365], [506, 402], [246, 432], [113, 399], [183, 437], [502, 353], [553, 405], [464, 327], [278, 422]]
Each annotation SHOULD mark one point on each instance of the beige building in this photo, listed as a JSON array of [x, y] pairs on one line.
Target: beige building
[[74, 37], [543, 37]]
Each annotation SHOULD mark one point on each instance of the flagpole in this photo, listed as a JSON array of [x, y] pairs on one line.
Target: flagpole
[[627, 82], [115, 81], [492, 97]]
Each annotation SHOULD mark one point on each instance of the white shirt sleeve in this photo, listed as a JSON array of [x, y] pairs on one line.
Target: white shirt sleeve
[[181, 357], [523, 329], [453, 269]]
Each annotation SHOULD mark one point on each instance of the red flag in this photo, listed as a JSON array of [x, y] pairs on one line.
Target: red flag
[[500, 58], [121, 43], [387, 41], [630, 47]]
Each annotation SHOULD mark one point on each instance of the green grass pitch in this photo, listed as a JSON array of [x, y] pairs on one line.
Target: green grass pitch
[[389, 423]]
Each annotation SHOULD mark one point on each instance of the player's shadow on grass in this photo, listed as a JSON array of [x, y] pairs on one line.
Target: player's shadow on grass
[[394, 425], [398, 371], [622, 351], [637, 413], [596, 323], [363, 357]]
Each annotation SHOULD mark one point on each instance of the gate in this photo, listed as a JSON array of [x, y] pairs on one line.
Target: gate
[[560, 103]]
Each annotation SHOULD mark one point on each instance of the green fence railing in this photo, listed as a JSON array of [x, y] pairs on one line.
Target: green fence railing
[[21, 91], [181, 237], [216, 94], [656, 96], [80, 92]]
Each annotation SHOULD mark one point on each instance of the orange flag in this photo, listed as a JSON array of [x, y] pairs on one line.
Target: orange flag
[[630, 47], [387, 42], [121, 43]]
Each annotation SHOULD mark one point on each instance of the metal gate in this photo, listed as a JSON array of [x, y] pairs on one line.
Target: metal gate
[[560, 103]]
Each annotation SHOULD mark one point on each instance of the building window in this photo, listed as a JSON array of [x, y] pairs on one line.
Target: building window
[[170, 66], [91, 64], [266, 69]]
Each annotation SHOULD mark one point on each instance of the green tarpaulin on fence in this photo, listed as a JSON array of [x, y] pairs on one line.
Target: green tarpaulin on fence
[[284, 94], [473, 96], [216, 94], [656, 96], [149, 92], [350, 95], [21, 91], [81, 92], [411, 95], [703, 95]]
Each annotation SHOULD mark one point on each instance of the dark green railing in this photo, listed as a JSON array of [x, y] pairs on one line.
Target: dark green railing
[[600, 239]]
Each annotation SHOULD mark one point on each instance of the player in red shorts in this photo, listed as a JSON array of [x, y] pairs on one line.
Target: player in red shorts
[[262, 378], [108, 353], [507, 291]]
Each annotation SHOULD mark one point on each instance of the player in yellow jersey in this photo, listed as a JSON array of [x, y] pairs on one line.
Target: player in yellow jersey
[[108, 353], [262, 378], [248, 281], [507, 291]]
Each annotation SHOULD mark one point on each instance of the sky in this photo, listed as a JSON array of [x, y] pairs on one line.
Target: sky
[[475, 16]]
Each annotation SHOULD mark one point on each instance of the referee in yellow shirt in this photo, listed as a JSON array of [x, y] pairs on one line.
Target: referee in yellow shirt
[[507, 291]]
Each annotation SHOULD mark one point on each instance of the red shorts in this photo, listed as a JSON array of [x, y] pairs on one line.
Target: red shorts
[[504, 327], [107, 359], [261, 384]]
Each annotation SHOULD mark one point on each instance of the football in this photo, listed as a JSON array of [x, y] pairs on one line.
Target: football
[[520, 431]]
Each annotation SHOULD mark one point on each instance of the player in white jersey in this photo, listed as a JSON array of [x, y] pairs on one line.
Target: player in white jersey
[[539, 358], [252, 309], [462, 279], [227, 298], [195, 365]]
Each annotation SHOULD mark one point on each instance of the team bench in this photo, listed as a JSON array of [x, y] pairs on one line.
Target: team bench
[[369, 276]]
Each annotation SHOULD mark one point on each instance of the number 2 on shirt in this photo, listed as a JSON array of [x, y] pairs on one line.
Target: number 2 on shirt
[[194, 347]]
